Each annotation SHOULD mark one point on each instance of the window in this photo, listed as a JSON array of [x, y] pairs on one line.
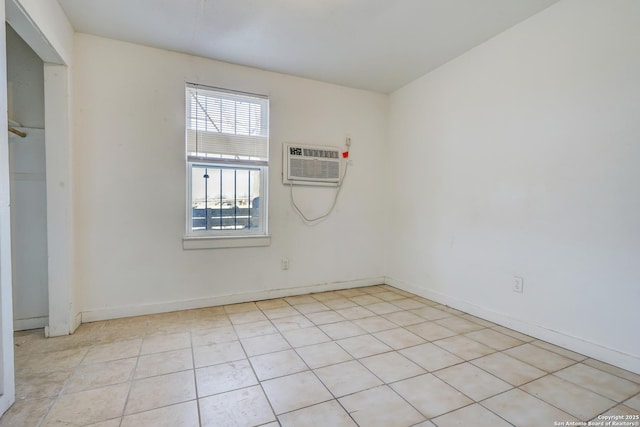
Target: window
[[227, 144]]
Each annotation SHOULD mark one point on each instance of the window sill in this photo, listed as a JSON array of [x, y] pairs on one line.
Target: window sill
[[189, 242]]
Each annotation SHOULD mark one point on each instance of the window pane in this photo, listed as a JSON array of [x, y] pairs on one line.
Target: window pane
[[222, 123], [198, 199], [225, 198]]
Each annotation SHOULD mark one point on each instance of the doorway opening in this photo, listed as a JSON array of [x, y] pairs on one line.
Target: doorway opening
[[27, 168]]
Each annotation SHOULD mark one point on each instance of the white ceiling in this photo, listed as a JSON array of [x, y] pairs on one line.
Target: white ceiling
[[378, 45]]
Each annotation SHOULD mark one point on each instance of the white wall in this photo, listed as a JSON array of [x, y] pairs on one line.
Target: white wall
[[29, 229], [46, 29], [25, 82], [44, 26], [7, 375], [521, 158], [129, 174]]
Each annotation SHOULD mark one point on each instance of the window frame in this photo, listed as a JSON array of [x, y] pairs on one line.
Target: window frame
[[202, 239]]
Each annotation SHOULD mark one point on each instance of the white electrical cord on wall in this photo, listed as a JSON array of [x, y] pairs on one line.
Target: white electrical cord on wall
[[333, 205]]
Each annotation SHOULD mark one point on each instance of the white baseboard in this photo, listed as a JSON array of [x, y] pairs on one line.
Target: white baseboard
[[77, 320], [32, 323], [587, 348], [165, 307], [60, 330]]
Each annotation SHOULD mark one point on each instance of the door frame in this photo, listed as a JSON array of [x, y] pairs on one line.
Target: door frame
[[47, 31]]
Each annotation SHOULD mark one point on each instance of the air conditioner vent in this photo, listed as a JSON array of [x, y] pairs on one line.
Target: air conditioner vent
[[314, 152], [311, 165]]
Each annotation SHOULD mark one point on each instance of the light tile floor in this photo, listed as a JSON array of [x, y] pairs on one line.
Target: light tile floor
[[374, 356]]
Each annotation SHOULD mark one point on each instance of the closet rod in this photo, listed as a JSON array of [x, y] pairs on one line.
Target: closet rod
[[17, 132]]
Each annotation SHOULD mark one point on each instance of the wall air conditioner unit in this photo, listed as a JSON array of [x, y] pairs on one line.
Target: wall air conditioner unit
[[311, 165]]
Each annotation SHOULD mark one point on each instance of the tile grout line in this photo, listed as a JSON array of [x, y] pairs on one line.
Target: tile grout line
[[384, 383], [453, 314], [133, 375], [195, 378], [264, 393], [335, 398]]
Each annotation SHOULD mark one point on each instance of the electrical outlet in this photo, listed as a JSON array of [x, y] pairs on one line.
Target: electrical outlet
[[284, 264], [518, 284]]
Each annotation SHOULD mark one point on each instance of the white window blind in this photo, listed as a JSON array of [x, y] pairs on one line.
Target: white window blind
[[225, 124]]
